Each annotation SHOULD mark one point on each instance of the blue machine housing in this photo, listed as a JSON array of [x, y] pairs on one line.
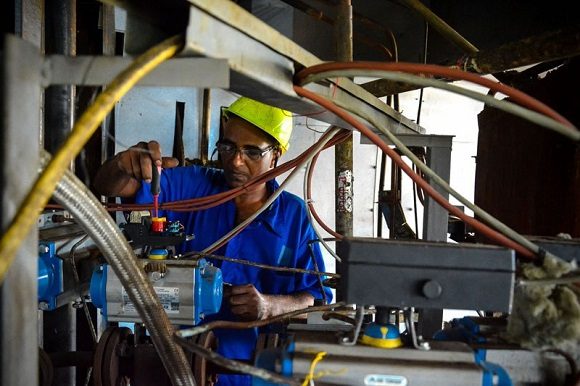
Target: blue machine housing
[[468, 331], [207, 289], [98, 288], [50, 276], [281, 360]]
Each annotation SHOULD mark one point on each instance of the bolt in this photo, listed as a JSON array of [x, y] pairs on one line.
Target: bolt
[[43, 249], [43, 306], [156, 276], [77, 303]]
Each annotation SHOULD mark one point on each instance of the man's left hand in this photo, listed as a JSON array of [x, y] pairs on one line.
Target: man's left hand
[[247, 303]]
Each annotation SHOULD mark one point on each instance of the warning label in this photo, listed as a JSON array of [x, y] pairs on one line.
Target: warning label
[[168, 296], [344, 192]]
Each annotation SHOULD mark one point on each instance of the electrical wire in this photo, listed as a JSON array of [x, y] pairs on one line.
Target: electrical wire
[[206, 202], [77, 280], [91, 216], [82, 131], [574, 373], [418, 121], [484, 229], [445, 72], [310, 205], [415, 192], [317, 148], [219, 198], [197, 255], [318, 277], [523, 245], [189, 332], [233, 365], [181, 335], [509, 107], [309, 379], [554, 281]]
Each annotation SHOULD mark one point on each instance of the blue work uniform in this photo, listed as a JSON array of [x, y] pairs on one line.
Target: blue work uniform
[[281, 236]]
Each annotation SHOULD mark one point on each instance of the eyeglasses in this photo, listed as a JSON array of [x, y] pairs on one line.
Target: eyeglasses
[[254, 153]]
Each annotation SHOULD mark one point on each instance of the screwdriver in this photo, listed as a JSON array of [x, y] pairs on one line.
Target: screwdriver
[[156, 188]]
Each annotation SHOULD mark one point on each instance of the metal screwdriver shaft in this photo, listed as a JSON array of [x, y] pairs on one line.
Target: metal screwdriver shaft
[[156, 188]]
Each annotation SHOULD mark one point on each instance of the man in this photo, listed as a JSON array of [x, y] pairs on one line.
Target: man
[[255, 136]]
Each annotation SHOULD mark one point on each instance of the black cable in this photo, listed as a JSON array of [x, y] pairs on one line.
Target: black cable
[[319, 277], [426, 42], [196, 330], [415, 192], [198, 255], [78, 287], [236, 366], [574, 375], [415, 210]]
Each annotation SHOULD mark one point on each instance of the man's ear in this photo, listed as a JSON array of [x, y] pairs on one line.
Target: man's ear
[[276, 156]]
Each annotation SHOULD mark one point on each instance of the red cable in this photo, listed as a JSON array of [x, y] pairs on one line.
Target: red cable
[[446, 72], [219, 198], [337, 139], [484, 229]]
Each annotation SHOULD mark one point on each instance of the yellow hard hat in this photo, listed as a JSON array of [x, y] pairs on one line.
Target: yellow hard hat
[[272, 120]]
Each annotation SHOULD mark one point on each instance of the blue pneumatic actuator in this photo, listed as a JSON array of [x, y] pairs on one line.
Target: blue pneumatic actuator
[[187, 293], [50, 276]]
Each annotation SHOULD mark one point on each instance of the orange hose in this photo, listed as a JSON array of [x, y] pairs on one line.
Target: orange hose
[[445, 72], [484, 229]]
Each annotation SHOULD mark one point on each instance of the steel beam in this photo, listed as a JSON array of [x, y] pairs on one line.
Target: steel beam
[[435, 220], [262, 63], [21, 101], [549, 46], [100, 70]]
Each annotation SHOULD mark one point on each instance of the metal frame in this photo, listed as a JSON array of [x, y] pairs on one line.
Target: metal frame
[[100, 70], [263, 63], [20, 151], [25, 73], [439, 160], [435, 218]]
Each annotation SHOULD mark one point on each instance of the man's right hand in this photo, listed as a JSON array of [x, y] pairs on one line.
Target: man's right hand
[[122, 175]]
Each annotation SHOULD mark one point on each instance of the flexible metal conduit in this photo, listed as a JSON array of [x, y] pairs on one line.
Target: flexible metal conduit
[[94, 219]]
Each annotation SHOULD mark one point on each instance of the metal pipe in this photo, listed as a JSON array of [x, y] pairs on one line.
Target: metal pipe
[[319, 15], [442, 27], [59, 107], [94, 219], [59, 100], [109, 48], [205, 126], [343, 152]]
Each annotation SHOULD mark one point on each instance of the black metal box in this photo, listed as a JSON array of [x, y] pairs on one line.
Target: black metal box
[[397, 273]]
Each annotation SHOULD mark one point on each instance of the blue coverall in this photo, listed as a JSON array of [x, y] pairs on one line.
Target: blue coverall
[[280, 236]]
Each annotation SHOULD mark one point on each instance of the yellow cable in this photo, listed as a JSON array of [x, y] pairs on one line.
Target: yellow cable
[[83, 129], [315, 361]]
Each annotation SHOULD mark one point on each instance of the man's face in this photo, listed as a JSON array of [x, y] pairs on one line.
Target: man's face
[[239, 168]]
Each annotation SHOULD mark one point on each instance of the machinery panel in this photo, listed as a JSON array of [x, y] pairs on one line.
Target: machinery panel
[[427, 274]]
